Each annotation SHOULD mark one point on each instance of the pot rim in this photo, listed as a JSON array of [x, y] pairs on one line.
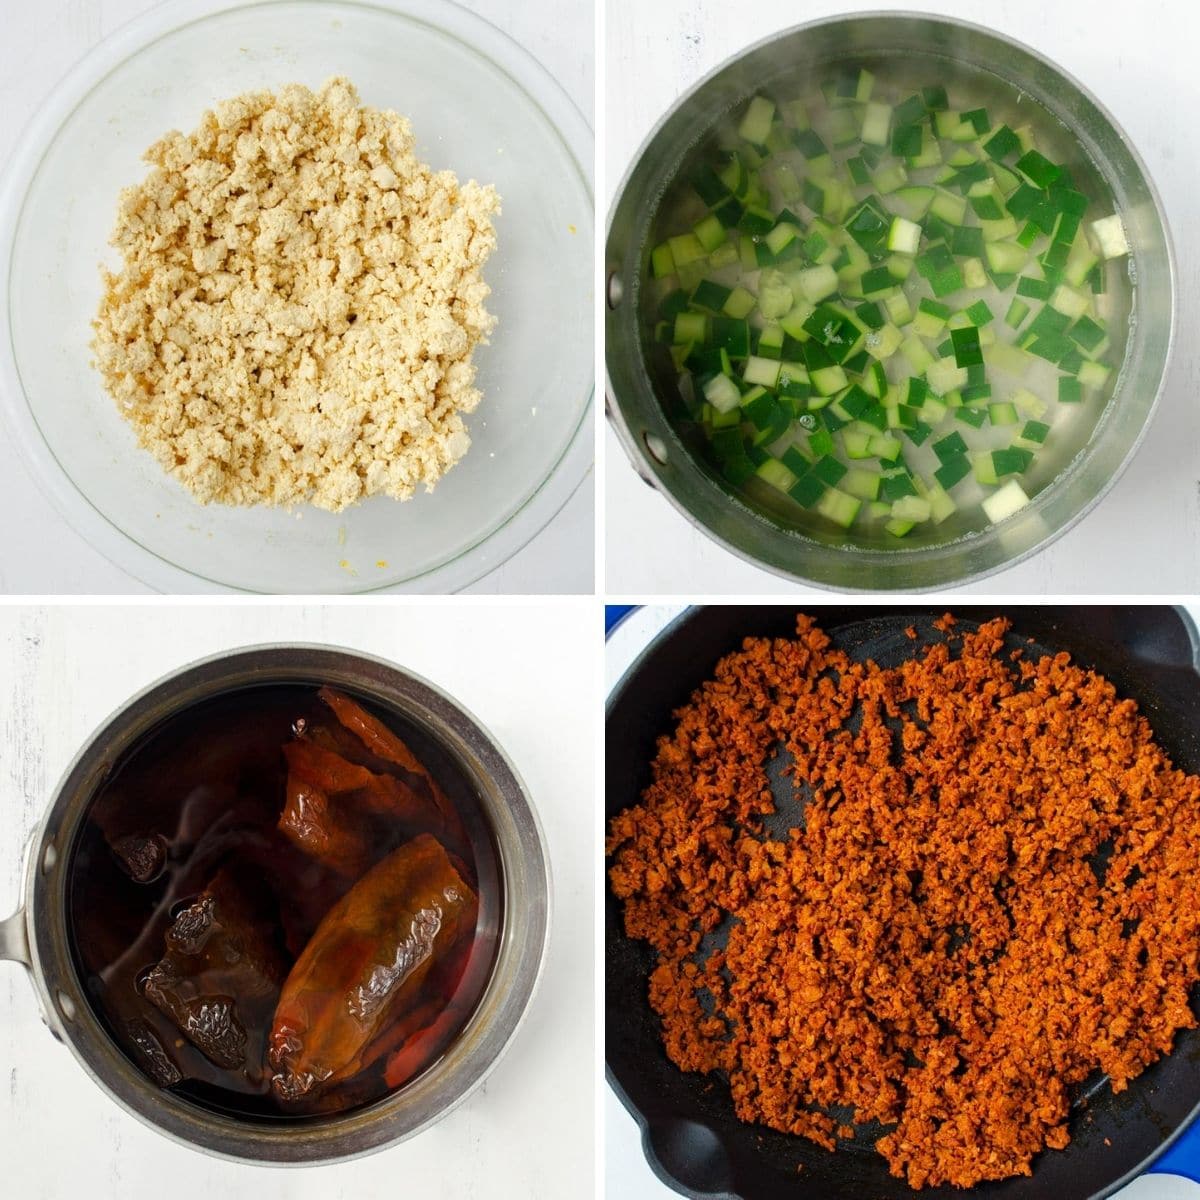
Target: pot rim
[[521, 949], [638, 456]]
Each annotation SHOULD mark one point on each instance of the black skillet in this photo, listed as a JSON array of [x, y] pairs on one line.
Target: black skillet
[[691, 1139]]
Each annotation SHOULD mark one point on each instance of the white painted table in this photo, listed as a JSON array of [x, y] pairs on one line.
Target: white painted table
[[1139, 60], [39, 552], [627, 1174], [529, 673]]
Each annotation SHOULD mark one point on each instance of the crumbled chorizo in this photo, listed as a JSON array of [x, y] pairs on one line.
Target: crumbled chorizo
[[989, 892]]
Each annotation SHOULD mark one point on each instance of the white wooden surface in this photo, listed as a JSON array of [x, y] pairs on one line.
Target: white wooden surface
[[39, 552], [1139, 60], [627, 1176], [529, 673]]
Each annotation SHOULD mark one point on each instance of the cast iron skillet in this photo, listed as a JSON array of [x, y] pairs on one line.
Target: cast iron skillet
[[691, 1138]]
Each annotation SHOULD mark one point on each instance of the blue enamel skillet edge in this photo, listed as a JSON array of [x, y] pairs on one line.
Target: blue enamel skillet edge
[[691, 1139]]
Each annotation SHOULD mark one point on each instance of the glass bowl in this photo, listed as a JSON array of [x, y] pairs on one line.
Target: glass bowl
[[480, 106]]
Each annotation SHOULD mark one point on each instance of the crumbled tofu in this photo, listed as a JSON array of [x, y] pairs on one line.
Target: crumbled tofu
[[299, 303]]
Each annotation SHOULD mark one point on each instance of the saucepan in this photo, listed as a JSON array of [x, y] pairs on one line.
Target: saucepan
[[37, 935], [640, 395], [691, 1138]]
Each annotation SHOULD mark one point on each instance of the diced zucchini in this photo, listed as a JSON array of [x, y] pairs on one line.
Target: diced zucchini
[[899, 309], [904, 236], [882, 343], [983, 467], [857, 442], [953, 471], [1029, 403], [974, 276], [980, 315], [781, 237], [1004, 356], [864, 85], [839, 507], [1094, 374], [740, 304], [662, 261], [875, 381], [873, 282], [1005, 258], [772, 471], [945, 375], [941, 505], [1033, 435], [948, 123], [724, 255], [890, 178], [911, 202], [1005, 501], [931, 318], [861, 483], [967, 349], [792, 323], [911, 508], [756, 123], [828, 380], [1109, 235], [876, 123], [817, 282], [764, 371], [690, 327], [1018, 310], [1080, 262], [930, 154], [885, 446], [1003, 230], [1070, 302], [685, 248], [710, 233], [778, 320], [722, 393], [949, 207], [916, 354]]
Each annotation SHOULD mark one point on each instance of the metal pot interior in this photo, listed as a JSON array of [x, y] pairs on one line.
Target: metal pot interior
[[518, 912], [639, 403]]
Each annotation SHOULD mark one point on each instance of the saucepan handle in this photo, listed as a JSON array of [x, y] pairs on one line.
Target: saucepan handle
[[14, 939]]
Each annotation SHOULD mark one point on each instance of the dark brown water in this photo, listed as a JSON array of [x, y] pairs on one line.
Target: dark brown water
[[189, 907]]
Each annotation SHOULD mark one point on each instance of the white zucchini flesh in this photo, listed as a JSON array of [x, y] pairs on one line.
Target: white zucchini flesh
[[1005, 501], [1109, 233]]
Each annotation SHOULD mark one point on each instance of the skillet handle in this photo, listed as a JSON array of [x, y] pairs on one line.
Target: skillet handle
[[14, 939]]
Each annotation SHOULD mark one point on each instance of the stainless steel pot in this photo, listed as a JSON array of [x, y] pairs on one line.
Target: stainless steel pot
[[835, 559], [36, 935]]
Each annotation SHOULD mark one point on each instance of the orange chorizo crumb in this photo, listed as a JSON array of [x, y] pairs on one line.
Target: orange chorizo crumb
[[991, 868]]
